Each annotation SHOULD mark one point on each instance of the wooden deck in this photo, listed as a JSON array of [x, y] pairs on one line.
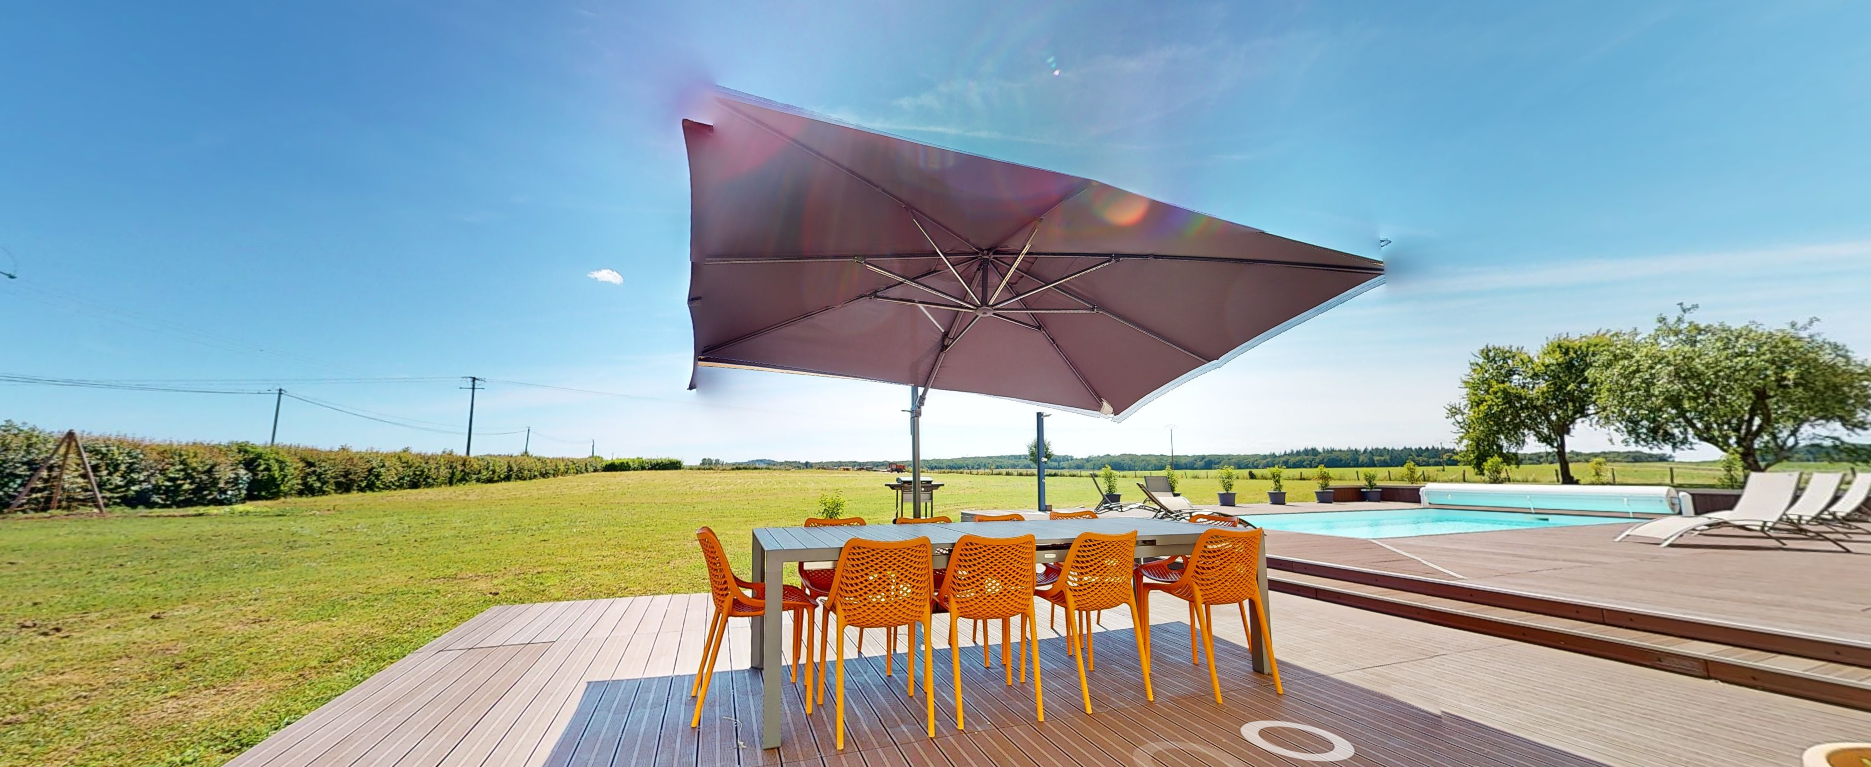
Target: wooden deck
[[1806, 587], [604, 682]]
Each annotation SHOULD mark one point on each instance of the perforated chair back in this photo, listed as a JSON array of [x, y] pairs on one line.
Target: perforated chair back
[[839, 522], [1218, 520], [1000, 517], [923, 521], [720, 572], [1225, 566], [990, 577], [883, 583], [1072, 515], [1097, 570]]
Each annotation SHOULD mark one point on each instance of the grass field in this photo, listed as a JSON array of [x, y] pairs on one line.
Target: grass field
[[184, 638]]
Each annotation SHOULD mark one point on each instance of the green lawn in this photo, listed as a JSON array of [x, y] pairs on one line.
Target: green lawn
[[172, 639]]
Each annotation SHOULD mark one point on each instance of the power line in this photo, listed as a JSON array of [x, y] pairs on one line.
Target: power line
[[119, 385]]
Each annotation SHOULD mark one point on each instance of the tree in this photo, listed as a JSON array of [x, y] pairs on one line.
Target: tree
[[1032, 452], [1511, 396], [1756, 391]]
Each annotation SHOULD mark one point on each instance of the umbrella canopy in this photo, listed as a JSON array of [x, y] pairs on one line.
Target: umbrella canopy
[[821, 248]]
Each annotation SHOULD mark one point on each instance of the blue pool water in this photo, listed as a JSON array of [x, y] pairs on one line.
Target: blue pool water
[[1400, 523]]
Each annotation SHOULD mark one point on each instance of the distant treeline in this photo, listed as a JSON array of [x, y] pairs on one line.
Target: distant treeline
[[1303, 459], [145, 474]]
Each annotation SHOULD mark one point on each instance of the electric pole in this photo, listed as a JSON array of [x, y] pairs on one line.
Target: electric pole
[[594, 448], [1039, 455], [474, 385], [1172, 446], [278, 395], [528, 450]]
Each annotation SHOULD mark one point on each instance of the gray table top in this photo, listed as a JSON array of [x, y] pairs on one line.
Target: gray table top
[[816, 543]]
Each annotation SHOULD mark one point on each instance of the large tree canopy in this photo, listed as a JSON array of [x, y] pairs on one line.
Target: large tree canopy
[[1757, 391], [1511, 397]]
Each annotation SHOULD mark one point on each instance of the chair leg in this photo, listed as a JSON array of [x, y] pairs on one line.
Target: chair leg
[[1071, 626], [954, 658], [1025, 629], [708, 668], [811, 656], [890, 649], [798, 634], [1004, 664], [1030, 623], [825, 632], [1260, 613], [708, 645], [1091, 650], [1143, 649], [987, 638], [1195, 638], [1208, 645], [841, 682], [1247, 629], [909, 656]]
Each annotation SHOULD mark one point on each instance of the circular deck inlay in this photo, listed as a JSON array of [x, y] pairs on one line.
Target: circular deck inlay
[[1341, 748]]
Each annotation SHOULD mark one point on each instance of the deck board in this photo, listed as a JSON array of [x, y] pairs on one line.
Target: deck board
[[605, 683]]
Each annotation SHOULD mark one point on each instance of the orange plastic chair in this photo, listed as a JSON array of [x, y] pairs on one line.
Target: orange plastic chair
[[818, 580], [731, 602], [1072, 514], [1168, 569], [885, 584], [1000, 517], [1223, 570], [924, 521], [1096, 575], [979, 632], [988, 579]]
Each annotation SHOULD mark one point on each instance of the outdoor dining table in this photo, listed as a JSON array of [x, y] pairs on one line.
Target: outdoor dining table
[[775, 547]]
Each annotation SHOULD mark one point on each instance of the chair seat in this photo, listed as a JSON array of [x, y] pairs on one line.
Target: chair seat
[[791, 598], [818, 582], [1167, 570], [1048, 575]]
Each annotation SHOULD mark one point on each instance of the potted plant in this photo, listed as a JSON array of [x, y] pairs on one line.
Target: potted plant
[[832, 505], [1107, 479], [1837, 755], [1169, 473], [1226, 477], [1371, 493], [1277, 496], [1324, 481]]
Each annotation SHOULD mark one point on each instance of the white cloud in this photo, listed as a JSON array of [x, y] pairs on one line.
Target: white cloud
[[606, 275]]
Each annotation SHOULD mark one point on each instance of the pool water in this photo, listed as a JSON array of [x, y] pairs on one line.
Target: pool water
[[1401, 523]]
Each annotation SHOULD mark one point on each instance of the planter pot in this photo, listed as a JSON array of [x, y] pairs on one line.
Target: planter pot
[[1837, 755], [1276, 497], [1373, 495], [1113, 498], [1226, 499], [1324, 496]]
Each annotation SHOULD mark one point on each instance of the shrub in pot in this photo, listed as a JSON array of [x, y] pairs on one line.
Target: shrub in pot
[[1107, 479], [1277, 496], [1169, 473], [1324, 481], [1371, 493], [1225, 476]]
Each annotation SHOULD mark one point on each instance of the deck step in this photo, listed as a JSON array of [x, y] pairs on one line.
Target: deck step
[[1824, 681]]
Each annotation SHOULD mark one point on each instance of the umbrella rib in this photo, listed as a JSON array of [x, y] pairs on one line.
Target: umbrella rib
[[803, 317], [948, 344], [913, 283], [848, 171], [1127, 323], [1056, 283], [945, 262], [1379, 269], [1018, 259], [1040, 326]]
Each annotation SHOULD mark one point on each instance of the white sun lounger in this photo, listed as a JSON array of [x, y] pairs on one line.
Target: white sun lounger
[[1763, 502], [1839, 515], [1168, 506]]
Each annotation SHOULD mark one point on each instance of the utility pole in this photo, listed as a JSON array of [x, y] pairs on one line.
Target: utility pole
[[1172, 447], [474, 385], [594, 448], [1039, 455], [528, 450], [278, 395]]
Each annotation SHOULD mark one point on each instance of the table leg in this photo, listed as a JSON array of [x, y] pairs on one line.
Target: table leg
[[1257, 632], [771, 680], [756, 657]]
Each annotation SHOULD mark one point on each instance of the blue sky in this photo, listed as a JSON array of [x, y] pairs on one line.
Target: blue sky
[[281, 192]]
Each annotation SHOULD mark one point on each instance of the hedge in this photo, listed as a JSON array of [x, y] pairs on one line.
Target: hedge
[[146, 474]]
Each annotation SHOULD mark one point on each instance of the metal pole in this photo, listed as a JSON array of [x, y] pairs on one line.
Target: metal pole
[[278, 394], [474, 385], [916, 451], [528, 450], [1039, 455]]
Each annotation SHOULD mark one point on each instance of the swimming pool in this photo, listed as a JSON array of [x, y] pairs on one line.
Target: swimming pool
[[1400, 523]]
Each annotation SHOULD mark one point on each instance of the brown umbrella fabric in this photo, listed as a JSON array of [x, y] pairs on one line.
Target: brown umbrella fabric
[[821, 248]]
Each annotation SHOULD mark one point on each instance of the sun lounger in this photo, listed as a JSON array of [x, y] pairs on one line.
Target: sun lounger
[[1168, 506], [1843, 514], [1763, 501], [1106, 507]]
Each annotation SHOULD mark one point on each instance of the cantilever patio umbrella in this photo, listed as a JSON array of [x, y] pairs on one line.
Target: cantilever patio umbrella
[[822, 248]]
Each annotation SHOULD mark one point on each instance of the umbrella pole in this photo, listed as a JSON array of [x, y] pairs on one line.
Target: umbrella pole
[[916, 452]]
